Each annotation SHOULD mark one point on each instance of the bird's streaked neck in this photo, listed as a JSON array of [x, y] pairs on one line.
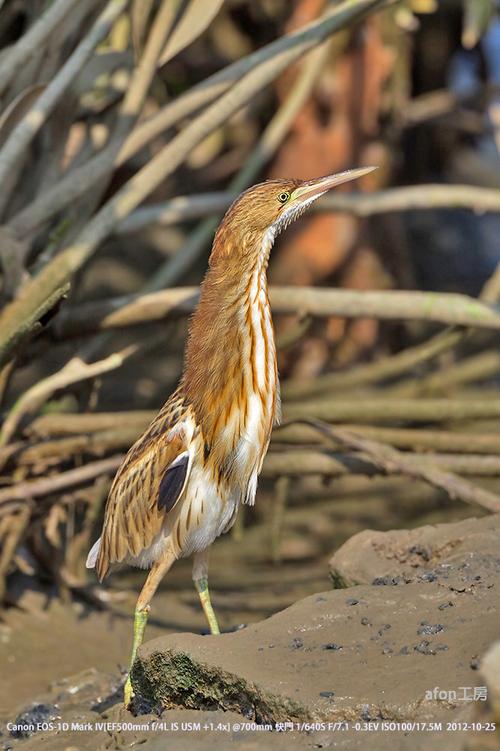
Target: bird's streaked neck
[[233, 307]]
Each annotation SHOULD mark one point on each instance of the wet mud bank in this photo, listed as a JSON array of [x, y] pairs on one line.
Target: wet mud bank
[[406, 636]]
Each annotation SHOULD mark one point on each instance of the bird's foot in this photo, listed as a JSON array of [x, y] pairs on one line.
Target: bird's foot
[[128, 693]]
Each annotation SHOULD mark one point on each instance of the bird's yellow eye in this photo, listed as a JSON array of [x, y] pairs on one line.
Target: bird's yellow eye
[[284, 197]]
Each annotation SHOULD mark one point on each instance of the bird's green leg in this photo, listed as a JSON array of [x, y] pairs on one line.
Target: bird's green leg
[[140, 620], [200, 578], [202, 588], [156, 574]]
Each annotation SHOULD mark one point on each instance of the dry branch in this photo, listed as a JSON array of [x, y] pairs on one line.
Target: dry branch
[[389, 367], [469, 370], [100, 167], [19, 140], [193, 22], [419, 197], [299, 463], [47, 453], [371, 373], [11, 533], [381, 409], [428, 440], [433, 468], [392, 461], [216, 85], [74, 371], [176, 210], [27, 316], [446, 308], [48, 426], [26, 491], [33, 41]]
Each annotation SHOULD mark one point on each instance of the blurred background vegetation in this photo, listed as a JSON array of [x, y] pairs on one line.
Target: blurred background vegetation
[[126, 129]]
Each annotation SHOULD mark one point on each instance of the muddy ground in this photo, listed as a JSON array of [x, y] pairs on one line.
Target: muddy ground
[[418, 613]]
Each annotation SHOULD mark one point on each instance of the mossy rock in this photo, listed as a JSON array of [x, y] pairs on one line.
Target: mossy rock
[[173, 679]]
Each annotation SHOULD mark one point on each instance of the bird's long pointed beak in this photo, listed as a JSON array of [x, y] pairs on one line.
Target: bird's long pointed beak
[[315, 188]]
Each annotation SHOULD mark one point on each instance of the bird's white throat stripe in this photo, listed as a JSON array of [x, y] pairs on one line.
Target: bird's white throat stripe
[[261, 319]]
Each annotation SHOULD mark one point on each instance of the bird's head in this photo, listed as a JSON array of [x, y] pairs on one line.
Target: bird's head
[[264, 210]]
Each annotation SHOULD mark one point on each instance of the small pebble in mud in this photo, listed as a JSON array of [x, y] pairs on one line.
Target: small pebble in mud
[[421, 551], [386, 581], [26, 723], [445, 605], [429, 576], [426, 648], [365, 621], [296, 643], [385, 627], [327, 694], [475, 663], [321, 599], [404, 650], [387, 649], [428, 629], [332, 646], [352, 601]]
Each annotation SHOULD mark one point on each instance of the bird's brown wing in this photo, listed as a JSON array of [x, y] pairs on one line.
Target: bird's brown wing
[[146, 487]]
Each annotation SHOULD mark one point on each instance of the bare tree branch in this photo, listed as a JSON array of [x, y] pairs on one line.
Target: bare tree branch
[[414, 439], [20, 138], [34, 39], [302, 462], [73, 372], [438, 307], [383, 410], [25, 491], [401, 362], [205, 92], [371, 373], [47, 426], [29, 315], [99, 167], [390, 460]]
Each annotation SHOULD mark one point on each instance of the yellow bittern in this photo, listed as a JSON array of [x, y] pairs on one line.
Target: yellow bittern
[[181, 483]]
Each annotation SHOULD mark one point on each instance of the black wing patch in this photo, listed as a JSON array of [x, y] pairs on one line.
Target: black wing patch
[[173, 482]]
